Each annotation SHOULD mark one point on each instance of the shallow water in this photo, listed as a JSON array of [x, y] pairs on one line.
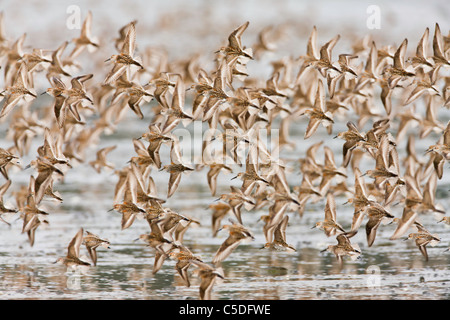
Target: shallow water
[[387, 270]]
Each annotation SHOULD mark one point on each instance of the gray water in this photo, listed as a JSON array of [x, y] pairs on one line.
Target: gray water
[[387, 270]]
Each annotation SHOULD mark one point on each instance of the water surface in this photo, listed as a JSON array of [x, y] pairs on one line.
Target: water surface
[[387, 270]]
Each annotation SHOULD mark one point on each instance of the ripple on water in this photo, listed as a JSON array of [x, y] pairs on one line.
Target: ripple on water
[[387, 270]]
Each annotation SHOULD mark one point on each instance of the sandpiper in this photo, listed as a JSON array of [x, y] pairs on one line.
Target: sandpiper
[[19, 89], [3, 210], [377, 214], [100, 161], [279, 238], [208, 276], [184, 258], [344, 247], [422, 239], [72, 259], [329, 225], [124, 59], [235, 47], [317, 114], [92, 242], [237, 233]]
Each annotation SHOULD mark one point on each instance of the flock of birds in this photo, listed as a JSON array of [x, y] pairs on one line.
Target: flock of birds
[[230, 101]]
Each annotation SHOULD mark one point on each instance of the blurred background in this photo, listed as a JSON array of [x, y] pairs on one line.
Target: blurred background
[[184, 28], [181, 29], [199, 25]]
